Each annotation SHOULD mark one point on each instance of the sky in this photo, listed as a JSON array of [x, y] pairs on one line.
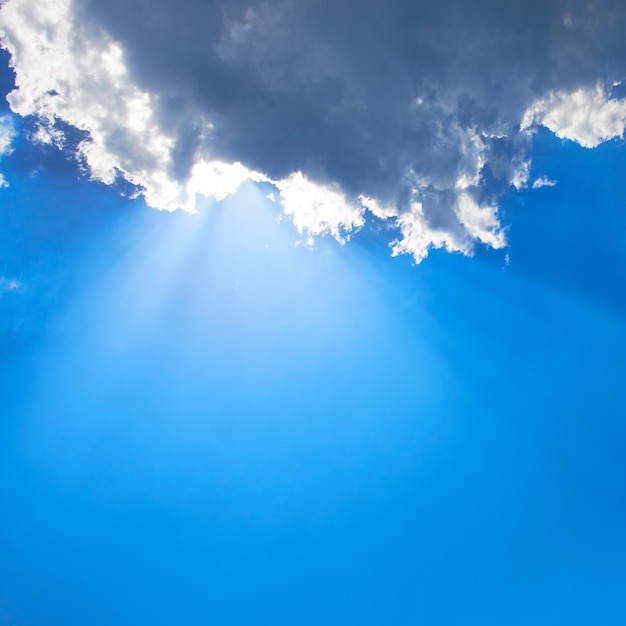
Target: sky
[[312, 313]]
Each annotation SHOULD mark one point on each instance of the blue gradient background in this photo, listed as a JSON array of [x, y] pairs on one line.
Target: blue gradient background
[[203, 423]]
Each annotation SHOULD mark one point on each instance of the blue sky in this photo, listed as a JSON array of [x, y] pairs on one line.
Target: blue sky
[[206, 421]]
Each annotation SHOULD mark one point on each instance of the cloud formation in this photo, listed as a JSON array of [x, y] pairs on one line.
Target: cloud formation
[[7, 134], [586, 116], [413, 112]]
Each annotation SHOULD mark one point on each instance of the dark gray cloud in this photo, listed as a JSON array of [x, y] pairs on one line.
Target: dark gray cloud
[[334, 85], [402, 101]]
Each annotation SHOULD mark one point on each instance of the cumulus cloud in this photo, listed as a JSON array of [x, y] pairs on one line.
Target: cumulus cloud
[[586, 116], [68, 73], [413, 112], [317, 209], [419, 234]]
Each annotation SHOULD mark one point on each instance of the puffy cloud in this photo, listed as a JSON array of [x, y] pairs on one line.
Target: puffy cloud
[[413, 112], [318, 209], [587, 116], [473, 223], [71, 74]]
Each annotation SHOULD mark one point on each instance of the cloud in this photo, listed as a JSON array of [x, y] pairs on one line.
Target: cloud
[[420, 114], [7, 134], [8, 284], [586, 116], [418, 234], [318, 209], [544, 181], [67, 73]]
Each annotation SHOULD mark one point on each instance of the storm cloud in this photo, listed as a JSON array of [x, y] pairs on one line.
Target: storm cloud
[[416, 113]]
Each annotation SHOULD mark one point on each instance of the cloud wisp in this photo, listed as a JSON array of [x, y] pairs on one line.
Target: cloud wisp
[[416, 113], [7, 134], [543, 181], [8, 284]]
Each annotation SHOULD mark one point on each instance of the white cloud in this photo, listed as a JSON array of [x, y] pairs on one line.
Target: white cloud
[[318, 209], [586, 116], [520, 170], [475, 223], [7, 134], [70, 73], [418, 237], [543, 181], [382, 212], [480, 222]]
